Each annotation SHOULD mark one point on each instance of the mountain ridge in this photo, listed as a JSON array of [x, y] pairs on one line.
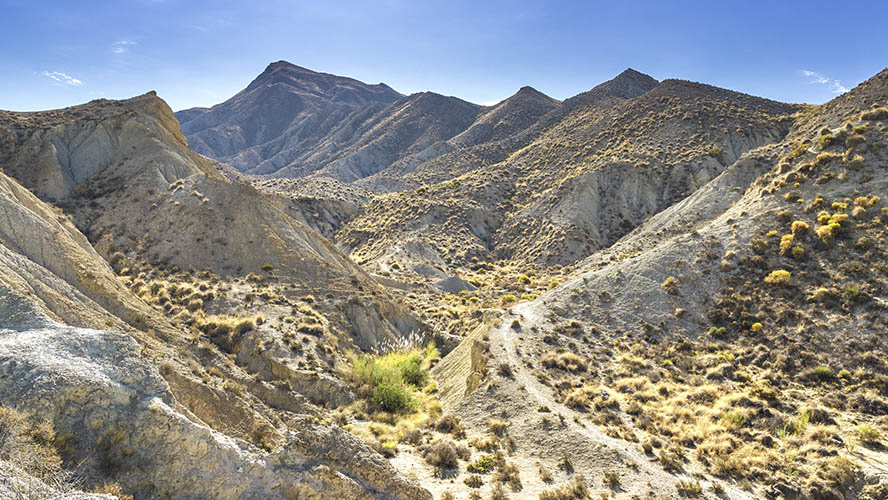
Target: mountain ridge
[[318, 139], [654, 289]]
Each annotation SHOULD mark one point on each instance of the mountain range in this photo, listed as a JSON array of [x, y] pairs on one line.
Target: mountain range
[[321, 288]]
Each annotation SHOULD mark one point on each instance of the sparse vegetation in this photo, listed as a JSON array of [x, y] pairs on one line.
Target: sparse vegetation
[[567, 361], [483, 464], [690, 489], [31, 447], [577, 490], [762, 364], [875, 114]]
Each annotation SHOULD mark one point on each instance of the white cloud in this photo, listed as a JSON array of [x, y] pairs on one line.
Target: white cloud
[[815, 76], [121, 47], [820, 79], [63, 78], [838, 88]]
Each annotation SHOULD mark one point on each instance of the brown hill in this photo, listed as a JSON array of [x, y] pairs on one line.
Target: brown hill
[[580, 184]]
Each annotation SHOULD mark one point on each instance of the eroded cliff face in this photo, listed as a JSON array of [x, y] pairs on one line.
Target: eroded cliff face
[[118, 415], [54, 152], [123, 171], [125, 382]]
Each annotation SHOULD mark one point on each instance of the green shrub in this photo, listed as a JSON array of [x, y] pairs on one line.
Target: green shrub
[[867, 434], [482, 465], [508, 299], [798, 151], [714, 151], [824, 159], [393, 377], [717, 332], [393, 399], [399, 368], [786, 243], [829, 232], [780, 277], [796, 426], [412, 372], [823, 373], [733, 419]]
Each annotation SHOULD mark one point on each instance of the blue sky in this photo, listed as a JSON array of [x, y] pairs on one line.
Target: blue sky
[[198, 53]]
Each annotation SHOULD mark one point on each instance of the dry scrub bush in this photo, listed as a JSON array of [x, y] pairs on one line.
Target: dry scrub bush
[[567, 361], [31, 448]]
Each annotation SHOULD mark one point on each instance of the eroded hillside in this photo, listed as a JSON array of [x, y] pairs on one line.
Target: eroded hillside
[[730, 346], [649, 290], [201, 289]]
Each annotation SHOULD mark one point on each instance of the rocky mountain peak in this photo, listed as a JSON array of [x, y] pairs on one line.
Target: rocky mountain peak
[[528, 92], [628, 84], [282, 71], [333, 87]]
